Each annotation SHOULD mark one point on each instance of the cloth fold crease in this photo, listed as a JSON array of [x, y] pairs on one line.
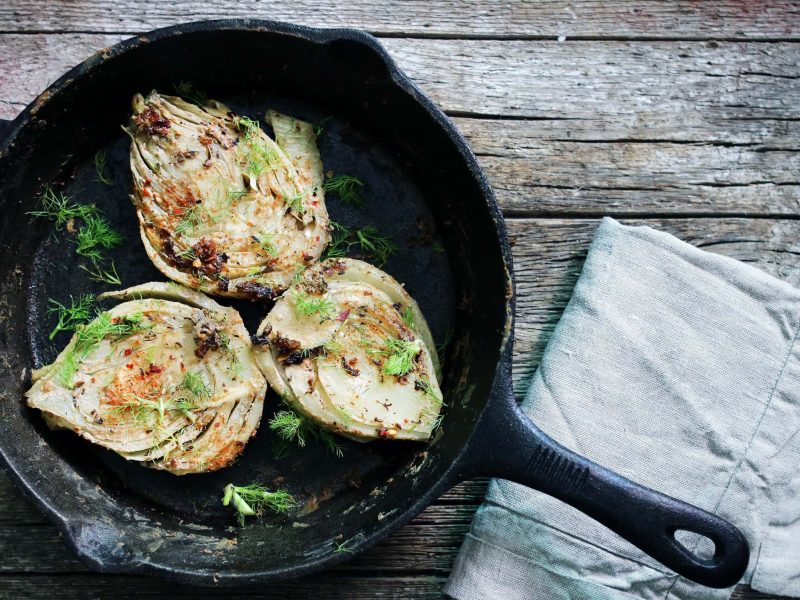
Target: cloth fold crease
[[680, 370]]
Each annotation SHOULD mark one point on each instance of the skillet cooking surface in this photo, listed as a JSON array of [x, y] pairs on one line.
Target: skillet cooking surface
[[423, 188], [395, 205]]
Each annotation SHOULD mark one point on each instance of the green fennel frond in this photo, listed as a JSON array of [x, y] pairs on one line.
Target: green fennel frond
[[60, 208], [195, 384], [294, 428], [348, 189], [372, 245], [89, 335], [70, 317], [94, 235], [265, 240], [305, 304], [319, 127], [253, 499], [400, 356], [189, 220], [105, 274], [187, 91], [408, 317], [288, 425], [100, 169]]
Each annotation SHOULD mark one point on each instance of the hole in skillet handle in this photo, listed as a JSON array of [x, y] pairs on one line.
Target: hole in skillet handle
[[507, 444], [699, 545]]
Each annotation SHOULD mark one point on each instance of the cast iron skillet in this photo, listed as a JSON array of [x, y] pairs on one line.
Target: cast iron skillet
[[425, 189]]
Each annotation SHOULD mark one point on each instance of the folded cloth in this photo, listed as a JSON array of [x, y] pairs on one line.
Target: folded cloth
[[680, 370]]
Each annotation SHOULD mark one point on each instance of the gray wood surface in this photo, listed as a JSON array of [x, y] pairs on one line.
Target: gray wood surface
[[683, 116]]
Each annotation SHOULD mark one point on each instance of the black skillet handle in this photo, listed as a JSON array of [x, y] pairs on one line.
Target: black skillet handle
[[510, 446]]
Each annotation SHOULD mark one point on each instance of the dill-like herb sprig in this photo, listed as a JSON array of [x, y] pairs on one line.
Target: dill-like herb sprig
[[408, 317], [195, 384], [307, 305], [347, 187], [295, 202], [257, 155], [400, 355], [264, 239], [425, 386], [60, 208], [99, 272], [70, 317], [89, 335], [288, 425], [189, 220], [294, 428], [374, 246], [100, 169], [232, 195], [342, 547], [319, 127], [187, 91], [443, 345], [226, 346], [251, 500], [94, 235]]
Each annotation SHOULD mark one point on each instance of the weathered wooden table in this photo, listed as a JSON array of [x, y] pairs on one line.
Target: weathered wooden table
[[684, 116]]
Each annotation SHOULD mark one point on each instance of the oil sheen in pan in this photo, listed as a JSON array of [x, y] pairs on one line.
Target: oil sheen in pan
[[395, 205]]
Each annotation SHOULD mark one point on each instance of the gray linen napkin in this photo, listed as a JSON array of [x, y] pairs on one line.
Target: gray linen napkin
[[679, 369]]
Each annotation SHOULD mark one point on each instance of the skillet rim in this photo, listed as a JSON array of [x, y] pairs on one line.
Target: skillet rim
[[460, 467]]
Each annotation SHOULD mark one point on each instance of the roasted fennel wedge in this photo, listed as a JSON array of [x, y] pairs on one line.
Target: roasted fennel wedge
[[166, 378], [223, 207], [347, 347]]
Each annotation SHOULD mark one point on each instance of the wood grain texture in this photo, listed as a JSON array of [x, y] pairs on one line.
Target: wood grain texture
[[471, 18], [548, 255], [683, 115], [677, 128]]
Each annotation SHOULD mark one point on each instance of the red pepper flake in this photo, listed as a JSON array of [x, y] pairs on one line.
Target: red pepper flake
[[129, 365], [128, 351], [154, 369]]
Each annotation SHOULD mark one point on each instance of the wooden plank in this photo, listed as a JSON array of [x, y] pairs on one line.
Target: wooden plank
[[364, 587], [427, 545], [549, 18], [599, 145], [600, 165], [638, 85], [622, 82], [549, 253]]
